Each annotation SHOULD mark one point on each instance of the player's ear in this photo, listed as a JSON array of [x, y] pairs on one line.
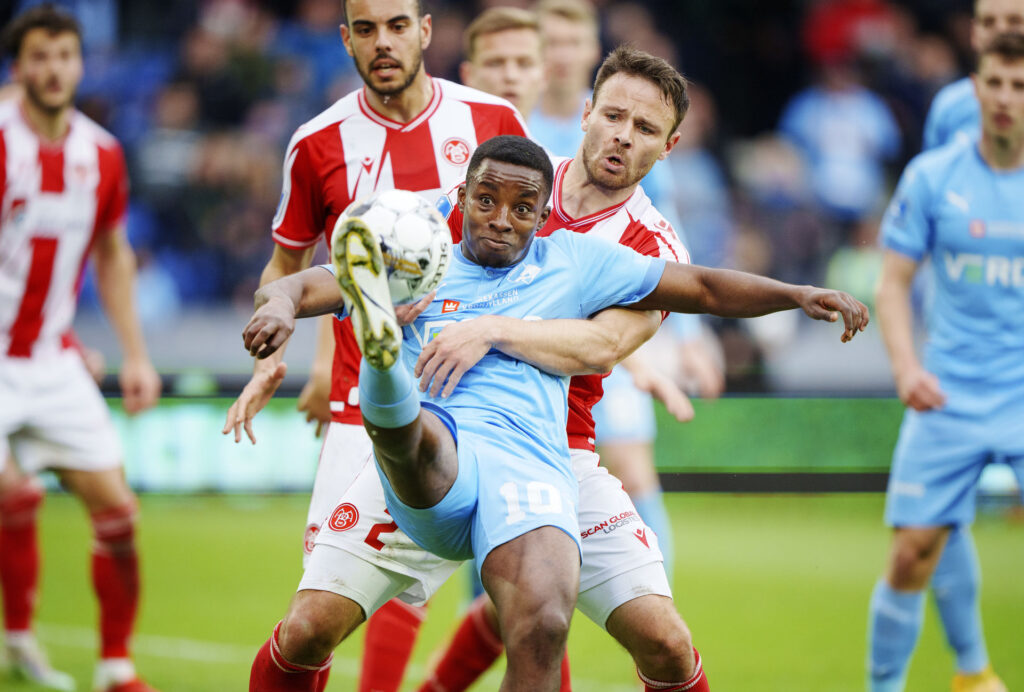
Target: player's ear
[[426, 31], [669, 145], [543, 217], [588, 107], [346, 38], [462, 198], [466, 73]]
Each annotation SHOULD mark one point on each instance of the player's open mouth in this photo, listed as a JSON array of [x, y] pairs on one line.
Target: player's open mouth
[[385, 67], [614, 163], [1002, 120]]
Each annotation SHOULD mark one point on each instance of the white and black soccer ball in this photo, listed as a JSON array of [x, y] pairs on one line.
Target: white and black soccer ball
[[414, 239]]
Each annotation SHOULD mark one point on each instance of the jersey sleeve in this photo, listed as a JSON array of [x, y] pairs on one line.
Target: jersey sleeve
[[448, 205], [112, 194], [609, 274], [906, 226], [299, 221]]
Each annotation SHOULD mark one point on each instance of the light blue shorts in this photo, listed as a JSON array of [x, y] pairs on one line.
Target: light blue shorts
[[941, 454], [624, 413], [504, 489]]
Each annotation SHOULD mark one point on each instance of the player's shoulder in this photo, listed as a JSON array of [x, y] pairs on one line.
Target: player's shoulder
[[8, 112], [953, 94], [935, 165], [470, 96], [86, 127], [649, 232], [345, 107]]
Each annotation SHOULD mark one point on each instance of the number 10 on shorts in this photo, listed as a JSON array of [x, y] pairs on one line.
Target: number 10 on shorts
[[541, 498]]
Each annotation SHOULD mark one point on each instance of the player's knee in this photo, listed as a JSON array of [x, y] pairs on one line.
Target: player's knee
[[542, 629], [667, 654], [114, 529], [19, 504], [306, 637], [912, 557]]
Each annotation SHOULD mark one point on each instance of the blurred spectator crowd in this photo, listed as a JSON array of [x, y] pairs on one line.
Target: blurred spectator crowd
[[803, 114]]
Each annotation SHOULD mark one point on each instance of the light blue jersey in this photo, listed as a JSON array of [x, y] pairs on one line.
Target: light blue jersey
[[508, 417], [954, 114], [969, 219]]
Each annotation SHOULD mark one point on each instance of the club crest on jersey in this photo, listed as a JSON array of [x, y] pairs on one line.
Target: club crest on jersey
[[455, 151], [344, 517], [449, 306], [976, 228], [309, 540], [527, 274]]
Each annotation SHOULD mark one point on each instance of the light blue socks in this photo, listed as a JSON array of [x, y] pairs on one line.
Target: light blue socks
[[894, 623], [956, 585], [388, 398]]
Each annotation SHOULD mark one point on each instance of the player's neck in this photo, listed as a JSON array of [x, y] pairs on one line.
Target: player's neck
[[1002, 153], [557, 103], [581, 197], [50, 126], [404, 106]]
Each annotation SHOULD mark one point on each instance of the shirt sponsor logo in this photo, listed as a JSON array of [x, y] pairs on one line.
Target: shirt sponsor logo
[[992, 270], [455, 151], [612, 523], [344, 517], [449, 306]]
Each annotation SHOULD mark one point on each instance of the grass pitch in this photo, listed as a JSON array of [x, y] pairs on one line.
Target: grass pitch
[[775, 589]]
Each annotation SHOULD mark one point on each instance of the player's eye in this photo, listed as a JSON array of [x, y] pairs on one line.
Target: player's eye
[[523, 209]]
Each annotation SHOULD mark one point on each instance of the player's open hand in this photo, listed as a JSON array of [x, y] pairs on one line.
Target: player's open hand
[[828, 305], [919, 389], [251, 401], [449, 355], [140, 385], [270, 326]]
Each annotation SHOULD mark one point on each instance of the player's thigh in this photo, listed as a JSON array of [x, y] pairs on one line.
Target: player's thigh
[[510, 575], [66, 423], [361, 553], [445, 529], [649, 624], [98, 490], [345, 450], [936, 465], [614, 539]]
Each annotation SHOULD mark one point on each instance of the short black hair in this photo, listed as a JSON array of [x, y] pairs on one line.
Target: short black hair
[[1008, 45], [48, 16], [344, 10], [519, 151]]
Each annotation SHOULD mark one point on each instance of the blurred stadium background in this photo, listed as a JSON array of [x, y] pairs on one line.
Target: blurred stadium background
[[204, 94]]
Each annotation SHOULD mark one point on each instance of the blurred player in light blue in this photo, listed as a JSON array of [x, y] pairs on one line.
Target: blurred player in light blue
[[960, 206], [954, 111]]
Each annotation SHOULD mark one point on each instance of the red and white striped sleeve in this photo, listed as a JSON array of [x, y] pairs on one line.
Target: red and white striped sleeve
[[299, 221]]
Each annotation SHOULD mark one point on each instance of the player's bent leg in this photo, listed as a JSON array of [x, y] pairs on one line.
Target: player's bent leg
[[533, 613], [915, 553], [317, 621]]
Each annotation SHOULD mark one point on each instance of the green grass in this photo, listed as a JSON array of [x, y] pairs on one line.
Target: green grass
[[775, 589]]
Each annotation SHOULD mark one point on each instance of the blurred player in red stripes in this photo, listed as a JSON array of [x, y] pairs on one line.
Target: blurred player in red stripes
[[65, 192]]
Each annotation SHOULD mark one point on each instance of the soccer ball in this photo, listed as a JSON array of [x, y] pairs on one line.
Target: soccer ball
[[414, 239]]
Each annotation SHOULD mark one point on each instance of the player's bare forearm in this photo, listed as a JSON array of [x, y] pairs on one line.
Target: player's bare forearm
[[895, 316], [283, 262], [576, 347], [728, 293], [114, 262]]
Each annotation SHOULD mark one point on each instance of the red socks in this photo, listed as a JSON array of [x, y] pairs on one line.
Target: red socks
[[272, 673], [697, 683], [115, 577], [19, 555], [390, 637], [475, 647]]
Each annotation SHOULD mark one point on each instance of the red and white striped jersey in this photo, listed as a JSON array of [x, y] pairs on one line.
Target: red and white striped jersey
[[350, 150], [634, 223], [56, 198]]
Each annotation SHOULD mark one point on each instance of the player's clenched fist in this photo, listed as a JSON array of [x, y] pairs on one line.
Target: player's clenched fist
[[270, 326], [828, 305]]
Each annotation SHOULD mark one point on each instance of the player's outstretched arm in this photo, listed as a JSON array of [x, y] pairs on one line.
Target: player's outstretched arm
[[728, 293], [917, 388], [115, 280], [305, 294], [560, 347]]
